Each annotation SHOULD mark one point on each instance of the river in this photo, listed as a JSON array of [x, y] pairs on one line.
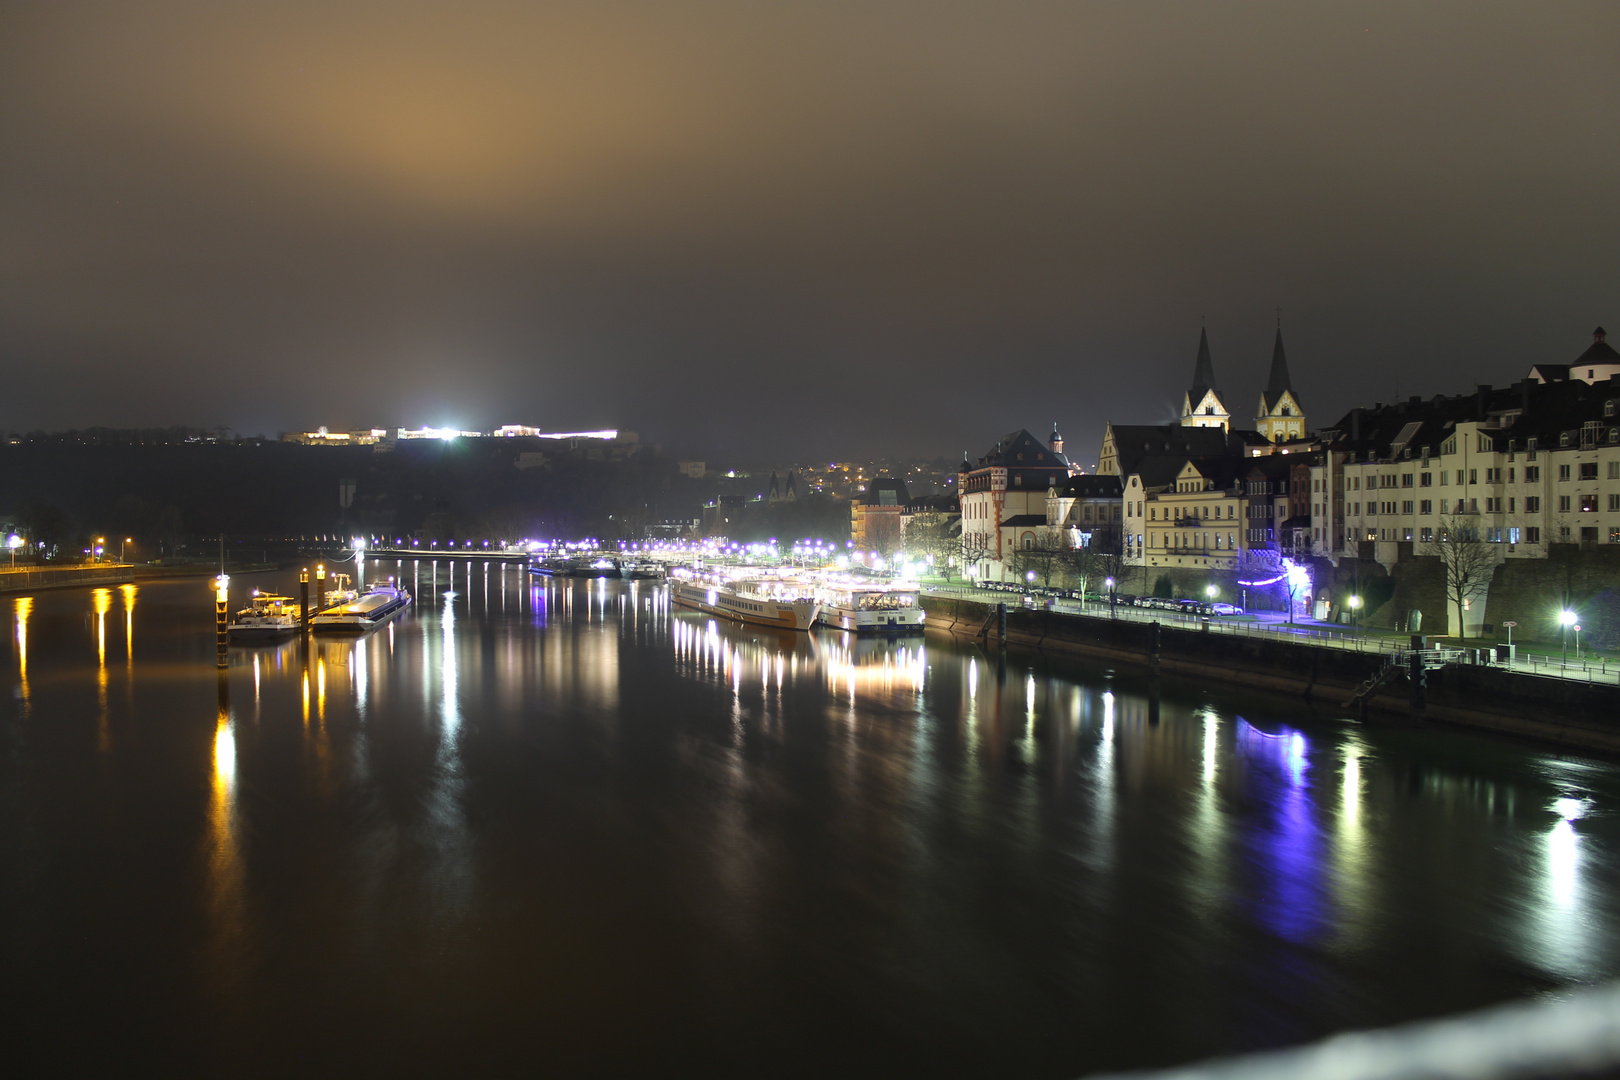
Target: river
[[562, 828]]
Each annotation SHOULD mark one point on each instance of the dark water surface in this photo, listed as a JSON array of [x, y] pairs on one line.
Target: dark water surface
[[559, 827]]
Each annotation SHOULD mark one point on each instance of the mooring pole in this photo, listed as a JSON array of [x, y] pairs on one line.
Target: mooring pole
[[1001, 621], [221, 602], [1417, 675], [303, 599]]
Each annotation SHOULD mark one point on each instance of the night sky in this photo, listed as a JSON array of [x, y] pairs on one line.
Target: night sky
[[774, 232]]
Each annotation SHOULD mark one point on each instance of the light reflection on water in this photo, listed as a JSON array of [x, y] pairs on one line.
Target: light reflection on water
[[525, 793]]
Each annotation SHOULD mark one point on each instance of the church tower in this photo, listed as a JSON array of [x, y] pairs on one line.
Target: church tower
[[1280, 417], [1202, 407]]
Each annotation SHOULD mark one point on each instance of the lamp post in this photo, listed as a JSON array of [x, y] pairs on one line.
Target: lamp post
[[1109, 582], [122, 544], [1566, 619], [101, 545], [1355, 610], [14, 542], [1577, 629]]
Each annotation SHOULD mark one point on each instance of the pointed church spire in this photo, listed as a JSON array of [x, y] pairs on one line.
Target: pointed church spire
[[1278, 382], [1203, 370]]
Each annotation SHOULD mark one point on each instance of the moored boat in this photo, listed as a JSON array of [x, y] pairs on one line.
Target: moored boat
[[870, 609], [757, 603], [357, 616], [266, 618], [341, 592]]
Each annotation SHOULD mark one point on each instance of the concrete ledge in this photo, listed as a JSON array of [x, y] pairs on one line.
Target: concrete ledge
[[1556, 710], [34, 578]]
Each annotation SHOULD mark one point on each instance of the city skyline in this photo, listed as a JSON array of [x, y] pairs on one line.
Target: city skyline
[[703, 223]]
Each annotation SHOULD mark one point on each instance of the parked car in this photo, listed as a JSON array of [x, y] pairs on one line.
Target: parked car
[[1225, 609]]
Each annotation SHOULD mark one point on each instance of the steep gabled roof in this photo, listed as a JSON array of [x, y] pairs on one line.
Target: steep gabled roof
[[1203, 380], [1134, 442], [1277, 382], [1091, 487], [1021, 450]]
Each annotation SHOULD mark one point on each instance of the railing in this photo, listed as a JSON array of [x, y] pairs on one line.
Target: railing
[[1338, 639], [1576, 1033], [1596, 672]]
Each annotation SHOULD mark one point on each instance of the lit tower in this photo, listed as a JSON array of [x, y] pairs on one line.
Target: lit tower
[[1280, 417], [1202, 407]]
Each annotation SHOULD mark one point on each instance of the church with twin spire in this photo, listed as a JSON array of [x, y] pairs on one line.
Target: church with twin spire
[[1280, 417]]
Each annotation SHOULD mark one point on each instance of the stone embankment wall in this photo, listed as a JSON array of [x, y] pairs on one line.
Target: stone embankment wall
[[1575, 714], [30, 579]]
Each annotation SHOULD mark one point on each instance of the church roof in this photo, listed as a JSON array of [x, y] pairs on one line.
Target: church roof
[[1277, 383], [1203, 371]]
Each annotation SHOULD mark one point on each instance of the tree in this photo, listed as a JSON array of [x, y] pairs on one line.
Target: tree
[[1266, 572], [1043, 557], [976, 547], [931, 536], [1089, 565], [883, 534], [1468, 561], [44, 523]]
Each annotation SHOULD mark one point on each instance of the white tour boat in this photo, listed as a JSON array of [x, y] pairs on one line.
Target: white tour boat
[[266, 618], [373, 608], [870, 609], [778, 604]]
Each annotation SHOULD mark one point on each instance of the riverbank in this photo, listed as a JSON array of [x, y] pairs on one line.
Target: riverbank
[[1562, 711], [27, 579]]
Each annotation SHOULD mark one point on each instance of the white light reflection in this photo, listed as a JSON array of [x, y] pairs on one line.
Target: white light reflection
[[447, 673], [1563, 863], [1210, 745], [357, 667]]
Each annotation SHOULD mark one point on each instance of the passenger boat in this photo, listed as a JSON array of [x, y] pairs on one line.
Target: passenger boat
[[870, 609], [374, 608], [640, 569], [266, 618], [776, 604]]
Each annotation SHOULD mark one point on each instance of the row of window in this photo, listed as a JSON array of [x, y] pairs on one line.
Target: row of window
[[1588, 470], [1494, 534], [1586, 504]]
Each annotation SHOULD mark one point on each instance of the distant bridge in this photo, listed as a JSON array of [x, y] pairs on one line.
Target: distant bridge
[[506, 555]]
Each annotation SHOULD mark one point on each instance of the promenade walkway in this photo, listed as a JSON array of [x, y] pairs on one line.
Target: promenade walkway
[[1276, 627]]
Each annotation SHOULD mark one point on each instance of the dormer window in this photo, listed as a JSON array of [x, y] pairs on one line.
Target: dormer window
[[1608, 409]]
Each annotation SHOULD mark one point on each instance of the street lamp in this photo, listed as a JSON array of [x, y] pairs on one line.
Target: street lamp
[[1109, 582], [101, 543], [1566, 619], [121, 546], [14, 542], [1355, 610]]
